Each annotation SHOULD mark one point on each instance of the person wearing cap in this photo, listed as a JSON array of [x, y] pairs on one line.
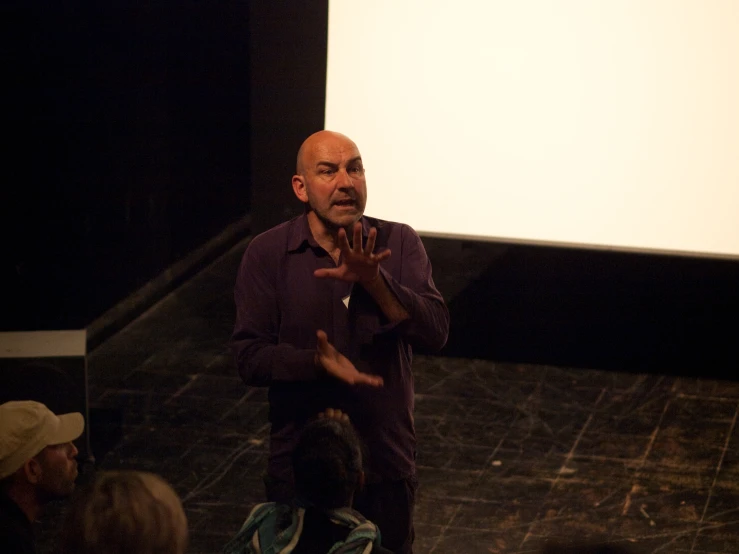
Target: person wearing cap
[[37, 465]]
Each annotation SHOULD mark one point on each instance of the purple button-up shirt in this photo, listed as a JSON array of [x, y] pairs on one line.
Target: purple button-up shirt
[[279, 307]]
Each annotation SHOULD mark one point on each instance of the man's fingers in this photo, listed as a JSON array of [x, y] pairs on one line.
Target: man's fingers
[[344, 241], [326, 272], [382, 256], [337, 414], [322, 341], [370, 380], [371, 238], [331, 413], [358, 237]]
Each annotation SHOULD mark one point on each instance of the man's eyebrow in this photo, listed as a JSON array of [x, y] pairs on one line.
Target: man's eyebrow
[[332, 164]]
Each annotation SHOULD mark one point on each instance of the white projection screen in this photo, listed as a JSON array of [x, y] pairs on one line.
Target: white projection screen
[[595, 123]]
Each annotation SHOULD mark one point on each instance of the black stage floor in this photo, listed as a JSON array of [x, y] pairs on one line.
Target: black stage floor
[[510, 455]]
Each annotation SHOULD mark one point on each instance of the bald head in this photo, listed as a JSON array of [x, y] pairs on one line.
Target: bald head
[[318, 143], [330, 181]]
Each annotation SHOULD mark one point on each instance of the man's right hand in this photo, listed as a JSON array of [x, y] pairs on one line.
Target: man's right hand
[[339, 366]]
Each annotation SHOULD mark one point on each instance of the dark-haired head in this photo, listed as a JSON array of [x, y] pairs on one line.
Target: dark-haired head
[[327, 464]]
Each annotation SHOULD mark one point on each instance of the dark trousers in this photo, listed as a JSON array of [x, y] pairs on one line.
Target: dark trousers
[[387, 504]]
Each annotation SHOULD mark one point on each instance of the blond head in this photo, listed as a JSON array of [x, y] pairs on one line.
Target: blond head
[[123, 512]]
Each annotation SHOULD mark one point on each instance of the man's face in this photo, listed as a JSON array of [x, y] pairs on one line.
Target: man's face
[[331, 180], [58, 470]]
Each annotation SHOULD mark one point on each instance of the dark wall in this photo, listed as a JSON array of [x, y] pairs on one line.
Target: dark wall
[[129, 125], [288, 63], [593, 308]]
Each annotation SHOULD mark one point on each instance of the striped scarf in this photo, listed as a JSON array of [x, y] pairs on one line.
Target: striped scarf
[[276, 529]]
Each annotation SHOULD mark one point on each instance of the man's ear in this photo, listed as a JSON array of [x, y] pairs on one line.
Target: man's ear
[[32, 471], [299, 188]]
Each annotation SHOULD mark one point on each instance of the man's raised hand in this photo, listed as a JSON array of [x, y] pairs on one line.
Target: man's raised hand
[[357, 264]]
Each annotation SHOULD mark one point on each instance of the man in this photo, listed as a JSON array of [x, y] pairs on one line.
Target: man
[[37, 465], [329, 307]]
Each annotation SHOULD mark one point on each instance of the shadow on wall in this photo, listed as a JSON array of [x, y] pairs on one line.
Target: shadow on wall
[[588, 308]]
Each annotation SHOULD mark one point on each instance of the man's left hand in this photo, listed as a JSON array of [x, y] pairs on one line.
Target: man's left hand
[[357, 264], [339, 366]]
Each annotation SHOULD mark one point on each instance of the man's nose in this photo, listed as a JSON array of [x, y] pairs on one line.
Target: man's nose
[[73, 450], [345, 180]]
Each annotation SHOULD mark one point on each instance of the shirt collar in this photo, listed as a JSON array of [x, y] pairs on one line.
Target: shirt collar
[[300, 233]]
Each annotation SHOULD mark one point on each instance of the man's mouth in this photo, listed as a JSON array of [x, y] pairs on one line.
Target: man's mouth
[[348, 203]]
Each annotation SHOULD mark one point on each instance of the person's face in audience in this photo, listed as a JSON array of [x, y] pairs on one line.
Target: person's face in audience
[[331, 179], [57, 470]]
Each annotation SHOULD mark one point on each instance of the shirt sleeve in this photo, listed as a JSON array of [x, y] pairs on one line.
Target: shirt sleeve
[[259, 358], [428, 325]]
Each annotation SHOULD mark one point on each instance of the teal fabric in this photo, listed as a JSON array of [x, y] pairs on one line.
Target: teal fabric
[[276, 528]]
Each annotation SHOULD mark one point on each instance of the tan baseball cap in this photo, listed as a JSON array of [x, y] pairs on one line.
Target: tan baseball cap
[[27, 427]]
